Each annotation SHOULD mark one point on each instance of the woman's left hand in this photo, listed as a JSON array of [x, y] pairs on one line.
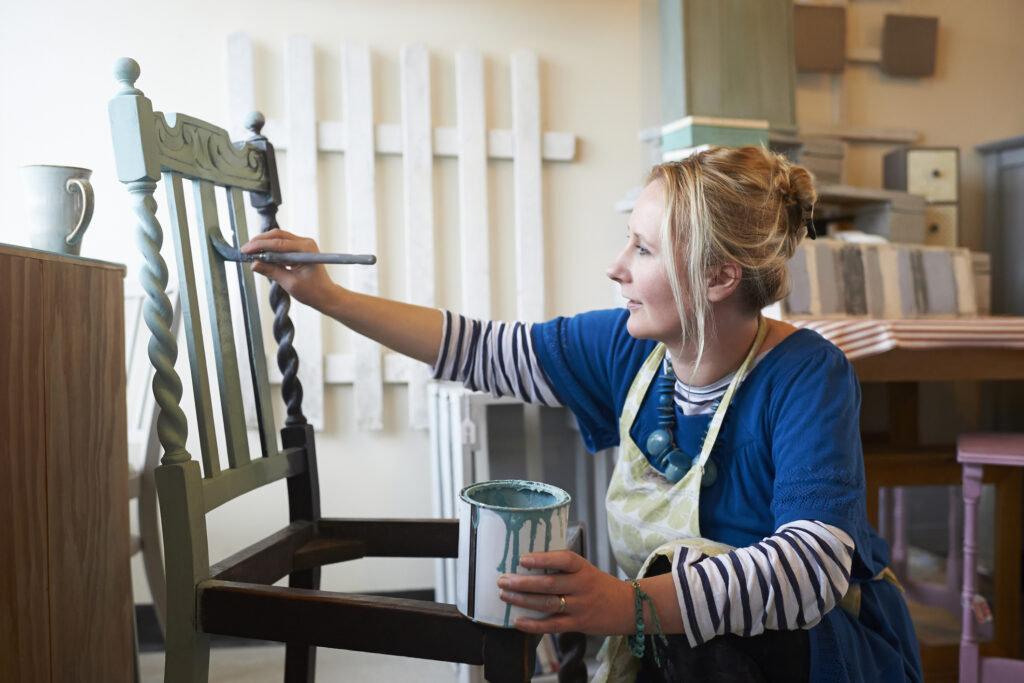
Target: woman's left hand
[[595, 602]]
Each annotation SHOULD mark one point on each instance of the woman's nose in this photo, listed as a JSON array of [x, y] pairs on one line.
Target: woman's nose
[[615, 270]]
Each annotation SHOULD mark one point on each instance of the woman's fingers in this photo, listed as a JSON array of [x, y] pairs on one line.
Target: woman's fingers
[[278, 240], [556, 560], [577, 595], [549, 625], [541, 603], [553, 584], [271, 270], [562, 618]]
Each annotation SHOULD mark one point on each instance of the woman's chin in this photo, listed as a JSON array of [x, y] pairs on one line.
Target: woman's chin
[[635, 327]]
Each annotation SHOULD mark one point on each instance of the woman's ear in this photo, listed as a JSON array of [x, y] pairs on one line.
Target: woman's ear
[[723, 281]]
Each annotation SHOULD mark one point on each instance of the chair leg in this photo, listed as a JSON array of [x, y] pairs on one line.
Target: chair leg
[[299, 658], [969, 658], [506, 663], [187, 654], [187, 650], [149, 531], [299, 663], [955, 559], [899, 533], [571, 667]]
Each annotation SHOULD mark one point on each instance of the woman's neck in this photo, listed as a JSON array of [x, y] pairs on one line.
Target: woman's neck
[[728, 338]]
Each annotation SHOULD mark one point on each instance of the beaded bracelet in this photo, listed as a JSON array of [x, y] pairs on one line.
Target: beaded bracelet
[[637, 642]]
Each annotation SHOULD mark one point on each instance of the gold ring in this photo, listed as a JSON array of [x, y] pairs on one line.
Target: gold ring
[[561, 605]]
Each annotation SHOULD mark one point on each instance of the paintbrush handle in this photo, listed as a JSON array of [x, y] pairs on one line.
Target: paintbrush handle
[[298, 257], [232, 253]]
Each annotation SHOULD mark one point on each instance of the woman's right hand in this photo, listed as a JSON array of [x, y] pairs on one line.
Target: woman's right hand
[[308, 283]]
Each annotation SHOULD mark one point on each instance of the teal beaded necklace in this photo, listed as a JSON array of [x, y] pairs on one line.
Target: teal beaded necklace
[[661, 443]]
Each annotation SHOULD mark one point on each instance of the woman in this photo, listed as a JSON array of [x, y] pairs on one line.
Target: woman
[[738, 499]]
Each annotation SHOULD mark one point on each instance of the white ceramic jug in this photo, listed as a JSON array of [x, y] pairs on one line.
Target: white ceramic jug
[[59, 206], [499, 522]]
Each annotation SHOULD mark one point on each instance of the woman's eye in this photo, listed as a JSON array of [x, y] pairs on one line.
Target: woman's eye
[[642, 250]]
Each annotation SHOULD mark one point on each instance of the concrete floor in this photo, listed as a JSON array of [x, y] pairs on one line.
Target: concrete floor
[[265, 664]]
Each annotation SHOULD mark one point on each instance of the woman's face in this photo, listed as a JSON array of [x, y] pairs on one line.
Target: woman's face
[[640, 271]]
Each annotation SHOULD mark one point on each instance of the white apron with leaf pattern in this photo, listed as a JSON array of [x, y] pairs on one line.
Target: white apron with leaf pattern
[[649, 516]]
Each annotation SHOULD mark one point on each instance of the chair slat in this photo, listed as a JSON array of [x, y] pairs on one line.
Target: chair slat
[[254, 331], [219, 303], [269, 559], [240, 480], [193, 324]]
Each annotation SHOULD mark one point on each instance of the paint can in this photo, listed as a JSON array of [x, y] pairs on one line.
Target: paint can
[[499, 522]]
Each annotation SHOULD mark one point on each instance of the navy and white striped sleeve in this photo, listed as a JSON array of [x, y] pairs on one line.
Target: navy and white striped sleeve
[[494, 357], [787, 581]]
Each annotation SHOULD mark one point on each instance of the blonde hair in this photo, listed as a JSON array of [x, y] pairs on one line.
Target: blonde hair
[[745, 205]]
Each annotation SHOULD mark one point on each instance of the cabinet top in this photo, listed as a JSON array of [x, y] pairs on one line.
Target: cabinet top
[[38, 255], [1001, 145]]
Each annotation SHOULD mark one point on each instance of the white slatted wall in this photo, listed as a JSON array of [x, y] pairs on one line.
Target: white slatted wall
[[419, 142]]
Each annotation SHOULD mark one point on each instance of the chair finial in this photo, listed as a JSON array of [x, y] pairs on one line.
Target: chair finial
[[126, 71], [255, 121]]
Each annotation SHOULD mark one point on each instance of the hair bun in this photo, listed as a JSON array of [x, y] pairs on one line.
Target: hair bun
[[782, 183]]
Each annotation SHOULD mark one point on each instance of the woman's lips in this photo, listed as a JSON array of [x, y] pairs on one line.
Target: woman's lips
[[632, 305]]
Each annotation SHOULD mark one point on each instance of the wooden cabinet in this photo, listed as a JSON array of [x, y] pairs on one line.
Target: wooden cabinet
[[933, 173], [1003, 165], [65, 586]]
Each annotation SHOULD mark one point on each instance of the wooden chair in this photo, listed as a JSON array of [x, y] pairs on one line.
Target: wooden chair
[[974, 452], [236, 596]]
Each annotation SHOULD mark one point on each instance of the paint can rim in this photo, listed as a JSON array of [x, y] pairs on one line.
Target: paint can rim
[[562, 497]]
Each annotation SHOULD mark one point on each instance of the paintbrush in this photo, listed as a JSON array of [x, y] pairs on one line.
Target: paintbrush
[[232, 253]]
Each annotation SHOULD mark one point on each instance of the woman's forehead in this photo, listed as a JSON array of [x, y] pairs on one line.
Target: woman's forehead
[[645, 220]]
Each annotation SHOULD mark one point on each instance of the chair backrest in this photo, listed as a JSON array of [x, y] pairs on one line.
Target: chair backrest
[[149, 147]]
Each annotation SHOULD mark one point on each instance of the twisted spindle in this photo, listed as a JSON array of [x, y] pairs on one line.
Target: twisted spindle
[[287, 359], [172, 427], [284, 331]]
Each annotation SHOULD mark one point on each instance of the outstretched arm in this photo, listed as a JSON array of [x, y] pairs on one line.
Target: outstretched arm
[[414, 331]]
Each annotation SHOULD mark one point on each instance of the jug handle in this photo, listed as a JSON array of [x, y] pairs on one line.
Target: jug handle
[[87, 206]]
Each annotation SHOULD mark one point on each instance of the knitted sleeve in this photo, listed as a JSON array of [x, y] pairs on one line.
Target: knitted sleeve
[[494, 357]]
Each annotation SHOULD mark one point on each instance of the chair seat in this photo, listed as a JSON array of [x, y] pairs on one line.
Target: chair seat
[[239, 599], [990, 448], [998, 669]]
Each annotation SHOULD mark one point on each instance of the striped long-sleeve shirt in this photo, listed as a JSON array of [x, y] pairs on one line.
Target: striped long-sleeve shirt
[[787, 581]]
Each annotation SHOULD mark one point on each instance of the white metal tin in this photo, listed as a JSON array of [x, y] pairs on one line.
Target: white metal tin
[[499, 522]]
